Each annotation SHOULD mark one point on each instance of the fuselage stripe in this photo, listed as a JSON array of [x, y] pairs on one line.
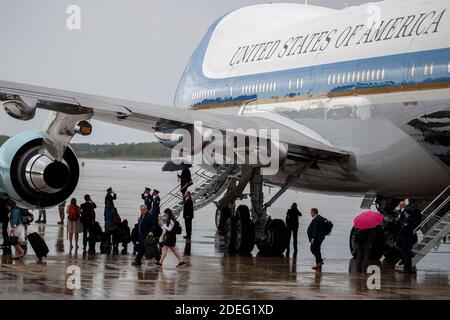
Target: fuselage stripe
[[336, 94]]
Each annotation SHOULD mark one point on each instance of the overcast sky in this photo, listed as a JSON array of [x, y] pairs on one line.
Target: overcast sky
[[135, 50]]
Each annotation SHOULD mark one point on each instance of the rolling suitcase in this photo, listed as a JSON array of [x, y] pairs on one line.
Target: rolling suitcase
[[38, 244]]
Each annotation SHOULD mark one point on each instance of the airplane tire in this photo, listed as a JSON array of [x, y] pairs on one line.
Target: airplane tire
[[277, 237], [230, 234], [243, 212], [263, 247], [244, 235], [352, 244], [221, 218]]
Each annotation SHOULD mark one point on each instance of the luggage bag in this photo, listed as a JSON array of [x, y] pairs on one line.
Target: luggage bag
[[38, 244], [151, 248]]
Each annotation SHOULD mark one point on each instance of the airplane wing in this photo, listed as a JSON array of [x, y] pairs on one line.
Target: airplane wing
[[148, 117]]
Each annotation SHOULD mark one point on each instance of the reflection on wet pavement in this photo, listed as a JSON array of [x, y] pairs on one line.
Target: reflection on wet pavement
[[205, 277], [210, 273]]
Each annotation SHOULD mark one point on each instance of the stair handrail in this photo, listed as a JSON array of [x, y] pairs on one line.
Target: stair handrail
[[441, 219], [169, 196], [435, 199], [432, 214], [177, 187], [222, 176], [199, 177]]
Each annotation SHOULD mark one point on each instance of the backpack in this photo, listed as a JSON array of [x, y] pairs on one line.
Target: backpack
[[116, 218], [327, 227], [73, 213], [177, 228]]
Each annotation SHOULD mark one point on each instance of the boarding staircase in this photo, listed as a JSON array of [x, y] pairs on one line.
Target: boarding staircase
[[206, 187], [434, 228]]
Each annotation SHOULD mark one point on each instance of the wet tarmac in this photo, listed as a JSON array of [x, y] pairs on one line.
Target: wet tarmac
[[210, 273]]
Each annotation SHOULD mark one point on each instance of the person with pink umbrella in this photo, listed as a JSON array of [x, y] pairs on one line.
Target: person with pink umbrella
[[365, 225]]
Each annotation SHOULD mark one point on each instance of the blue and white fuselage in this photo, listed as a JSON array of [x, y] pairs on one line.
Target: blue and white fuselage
[[373, 80]]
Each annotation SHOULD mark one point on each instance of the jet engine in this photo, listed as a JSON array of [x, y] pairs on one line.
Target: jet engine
[[31, 177]]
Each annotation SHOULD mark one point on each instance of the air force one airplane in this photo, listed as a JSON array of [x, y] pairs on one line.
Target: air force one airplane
[[360, 96]]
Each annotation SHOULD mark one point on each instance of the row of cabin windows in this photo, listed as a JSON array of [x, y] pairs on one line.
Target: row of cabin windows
[[298, 84], [204, 94], [356, 76], [428, 69], [333, 79], [259, 87]]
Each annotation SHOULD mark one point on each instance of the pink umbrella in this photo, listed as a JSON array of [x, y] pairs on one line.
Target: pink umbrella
[[368, 220]]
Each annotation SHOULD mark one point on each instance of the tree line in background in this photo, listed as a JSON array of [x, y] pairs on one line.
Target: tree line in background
[[150, 150]]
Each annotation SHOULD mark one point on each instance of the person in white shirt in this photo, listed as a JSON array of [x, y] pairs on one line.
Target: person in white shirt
[[169, 237]]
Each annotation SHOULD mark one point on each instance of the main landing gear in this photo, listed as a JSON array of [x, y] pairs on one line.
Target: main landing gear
[[245, 227]]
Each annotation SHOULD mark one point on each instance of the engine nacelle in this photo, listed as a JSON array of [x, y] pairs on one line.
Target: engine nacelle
[[30, 176]]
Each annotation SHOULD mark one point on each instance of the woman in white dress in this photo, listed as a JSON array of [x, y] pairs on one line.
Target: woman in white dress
[[74, 225]]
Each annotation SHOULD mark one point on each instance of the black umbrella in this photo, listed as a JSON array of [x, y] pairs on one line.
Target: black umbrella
[[171, 166]]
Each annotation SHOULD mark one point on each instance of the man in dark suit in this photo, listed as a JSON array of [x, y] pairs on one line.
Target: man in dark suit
[[145, 229], [154, 214], [316, 237], [87, 218], [148, 198], [188, 214], [156, 202], [185, 179], [407, 239], [292, 216], [110, 195]]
